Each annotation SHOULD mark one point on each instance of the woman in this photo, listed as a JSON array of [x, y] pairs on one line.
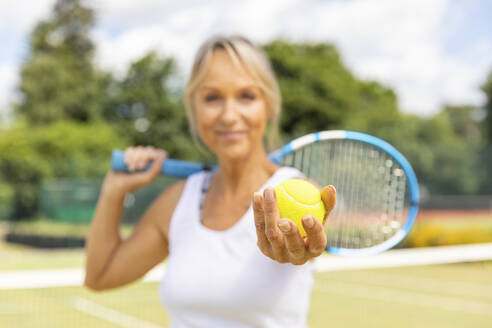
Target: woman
[[228, 264]]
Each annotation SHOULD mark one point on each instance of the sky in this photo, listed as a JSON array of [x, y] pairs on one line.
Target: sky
[[430, 52]]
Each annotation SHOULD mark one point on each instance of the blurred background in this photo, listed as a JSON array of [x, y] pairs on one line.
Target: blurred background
[[80, 78]]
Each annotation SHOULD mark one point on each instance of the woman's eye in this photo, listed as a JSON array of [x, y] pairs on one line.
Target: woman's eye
[[248, 96], [211, 97]]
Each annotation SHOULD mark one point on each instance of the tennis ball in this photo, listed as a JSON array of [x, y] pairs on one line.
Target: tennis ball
[[297, 198]]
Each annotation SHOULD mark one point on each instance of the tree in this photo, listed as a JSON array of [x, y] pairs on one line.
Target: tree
[[318, 92], [146, 110], [321, 94], [486, 154], [487, 89], [62, 149], [454, 169], [464, 123], [58, 79]]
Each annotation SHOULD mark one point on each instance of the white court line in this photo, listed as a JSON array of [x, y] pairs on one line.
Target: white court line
[[155, 274], [26, 279], [110, 315], [406, 297], [407, 257]]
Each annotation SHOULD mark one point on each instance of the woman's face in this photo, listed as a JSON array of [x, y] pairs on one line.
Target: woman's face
[[230, 110]]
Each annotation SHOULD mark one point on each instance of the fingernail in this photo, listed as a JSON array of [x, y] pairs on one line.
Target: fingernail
[[284, 226], [268, 194], [256, 197], [308, 222]]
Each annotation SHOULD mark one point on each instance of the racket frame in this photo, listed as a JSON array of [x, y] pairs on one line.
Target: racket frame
[[182, 169], [295, 144]]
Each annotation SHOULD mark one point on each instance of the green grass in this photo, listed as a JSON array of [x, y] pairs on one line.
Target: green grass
[[454, 295], [447, 296], [57, 307], [25, 258]]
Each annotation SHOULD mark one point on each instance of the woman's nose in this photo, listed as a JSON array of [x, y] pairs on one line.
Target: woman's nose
[[230, 112]]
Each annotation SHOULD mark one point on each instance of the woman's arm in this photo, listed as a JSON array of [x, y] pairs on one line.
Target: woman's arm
[[112, 262]]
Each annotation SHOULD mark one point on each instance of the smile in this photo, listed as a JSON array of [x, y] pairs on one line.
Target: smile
[[231, 135]]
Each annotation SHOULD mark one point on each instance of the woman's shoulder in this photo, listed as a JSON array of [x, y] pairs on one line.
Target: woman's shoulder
[[175, 190], [169, 198], [166, 203]]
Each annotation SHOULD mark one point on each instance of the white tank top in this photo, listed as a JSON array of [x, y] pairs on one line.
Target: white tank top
[[221, 278]]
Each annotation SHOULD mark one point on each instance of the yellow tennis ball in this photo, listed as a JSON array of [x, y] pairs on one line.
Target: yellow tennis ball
[[297, 198]]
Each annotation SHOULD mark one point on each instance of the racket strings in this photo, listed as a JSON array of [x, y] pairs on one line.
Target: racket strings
[[372, 192]]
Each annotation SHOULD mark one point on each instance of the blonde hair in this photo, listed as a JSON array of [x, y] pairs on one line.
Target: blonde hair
[[253, 60]]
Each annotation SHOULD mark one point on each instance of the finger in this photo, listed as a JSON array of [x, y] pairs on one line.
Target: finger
[[329, 198], [130, 158], [133, 157], [316, 238], [141, 157], [152, 153], [157, 153], [146, 156], [143, 178], [271, 218], [293, 241], [259, 215], [158, 157]]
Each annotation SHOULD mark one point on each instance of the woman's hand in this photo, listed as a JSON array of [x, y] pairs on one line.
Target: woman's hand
[[280, 239], [136, 158]]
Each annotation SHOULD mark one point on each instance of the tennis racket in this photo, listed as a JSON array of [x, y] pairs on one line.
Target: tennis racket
[[377, 191]]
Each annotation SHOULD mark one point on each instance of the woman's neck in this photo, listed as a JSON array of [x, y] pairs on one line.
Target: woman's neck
[[234, 178]]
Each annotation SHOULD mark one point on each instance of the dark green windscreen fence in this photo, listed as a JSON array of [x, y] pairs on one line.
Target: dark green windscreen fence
[[74, 200]]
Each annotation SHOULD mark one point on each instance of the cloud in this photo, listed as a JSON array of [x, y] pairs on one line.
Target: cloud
[[21, 15], [16, 20], [403, 44]]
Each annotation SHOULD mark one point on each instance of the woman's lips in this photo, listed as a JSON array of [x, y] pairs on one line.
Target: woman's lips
[[231, 135]]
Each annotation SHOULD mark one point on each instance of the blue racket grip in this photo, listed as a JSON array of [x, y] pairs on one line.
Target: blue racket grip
[[170, 167]]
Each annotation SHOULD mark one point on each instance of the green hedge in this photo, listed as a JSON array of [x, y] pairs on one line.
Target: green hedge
[[29, 155]]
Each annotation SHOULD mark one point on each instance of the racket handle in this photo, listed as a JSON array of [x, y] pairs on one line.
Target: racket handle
[[170, 167]]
